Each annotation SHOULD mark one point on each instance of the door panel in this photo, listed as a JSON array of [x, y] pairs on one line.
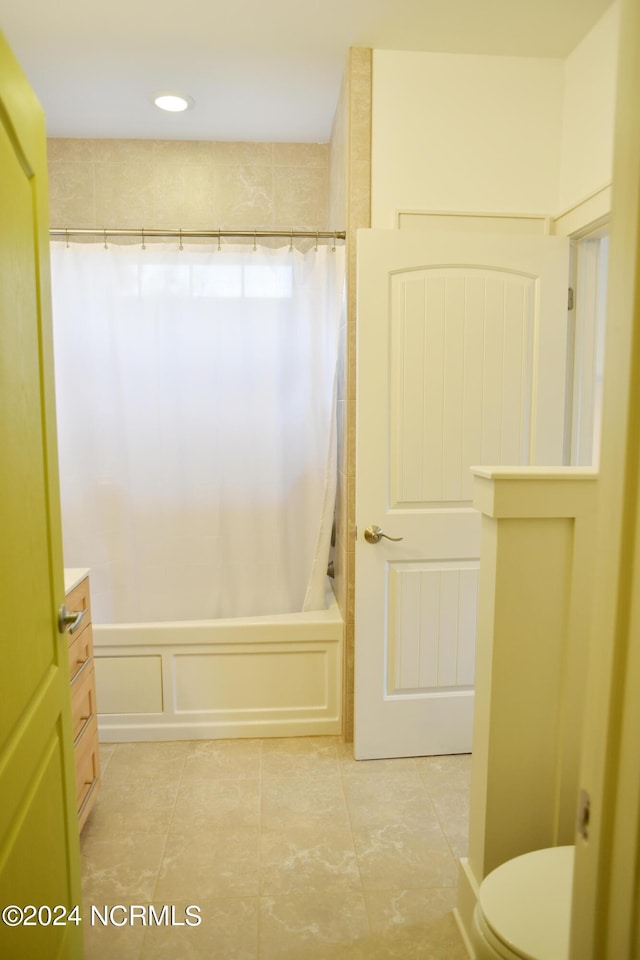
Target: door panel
[[22, 491], [462, 344], [461, 371], [431, 627], [39, 852]]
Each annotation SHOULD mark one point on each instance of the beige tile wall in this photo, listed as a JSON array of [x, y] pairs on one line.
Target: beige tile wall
[[349, 202], [189, 184]]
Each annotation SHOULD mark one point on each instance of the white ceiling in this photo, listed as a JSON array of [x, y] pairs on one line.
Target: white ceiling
[[256, 69]]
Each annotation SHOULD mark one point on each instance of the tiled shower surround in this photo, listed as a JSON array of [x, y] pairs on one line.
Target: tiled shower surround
[[349, 201], [190, 184], [290, 848]]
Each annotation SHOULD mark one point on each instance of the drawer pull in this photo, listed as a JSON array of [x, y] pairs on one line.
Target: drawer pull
[[78, 667], [92, 784], [85, 723], [80, 671], [69, 620]]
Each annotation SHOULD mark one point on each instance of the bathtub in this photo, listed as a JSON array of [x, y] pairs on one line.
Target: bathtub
[[272, 676]]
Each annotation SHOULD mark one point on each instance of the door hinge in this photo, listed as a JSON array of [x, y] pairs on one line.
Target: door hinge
[[570, 299]]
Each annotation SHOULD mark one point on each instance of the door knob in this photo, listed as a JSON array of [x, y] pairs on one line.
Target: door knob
[[374, 534]]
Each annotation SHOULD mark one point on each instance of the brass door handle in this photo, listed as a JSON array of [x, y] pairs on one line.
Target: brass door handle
[[374, 534]]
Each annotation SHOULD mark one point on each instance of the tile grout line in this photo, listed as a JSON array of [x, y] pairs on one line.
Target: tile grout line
[[164, 849], [353, 840], [440, 823], [435, 813]]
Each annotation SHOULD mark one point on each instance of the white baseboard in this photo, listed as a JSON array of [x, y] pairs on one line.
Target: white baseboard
[[467, 898]]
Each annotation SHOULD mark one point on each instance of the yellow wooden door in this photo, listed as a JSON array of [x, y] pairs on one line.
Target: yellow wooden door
[[39, 848]]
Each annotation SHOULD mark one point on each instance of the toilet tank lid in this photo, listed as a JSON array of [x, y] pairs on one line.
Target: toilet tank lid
[[527, 903]]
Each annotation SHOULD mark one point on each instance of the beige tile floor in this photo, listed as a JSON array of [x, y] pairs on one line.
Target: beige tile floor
[[291, 849]]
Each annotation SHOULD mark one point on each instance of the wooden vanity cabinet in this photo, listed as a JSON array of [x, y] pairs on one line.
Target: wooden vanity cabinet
[[84, 715]]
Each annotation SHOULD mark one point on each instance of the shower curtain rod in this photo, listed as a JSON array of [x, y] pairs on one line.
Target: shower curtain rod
[[144, 234]]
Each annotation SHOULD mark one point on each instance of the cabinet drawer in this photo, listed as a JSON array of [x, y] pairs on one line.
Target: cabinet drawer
[[87, 769], [80, 650], [77, 600], [83, 699]]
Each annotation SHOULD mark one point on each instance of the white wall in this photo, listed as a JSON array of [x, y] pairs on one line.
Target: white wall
[[458, 132], [464, 132], [588, 112]]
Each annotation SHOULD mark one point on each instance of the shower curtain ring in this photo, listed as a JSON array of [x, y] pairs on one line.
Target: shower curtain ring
[[254, 241], [333, 248], [291, 243], [180, 247], [105, 239], [66, 236], [143, 243], [219, 247], [317, 233]]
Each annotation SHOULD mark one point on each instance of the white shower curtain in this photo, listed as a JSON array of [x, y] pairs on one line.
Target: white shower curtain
[[196, 419]]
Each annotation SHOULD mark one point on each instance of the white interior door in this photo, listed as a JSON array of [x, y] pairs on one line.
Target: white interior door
[[462, 358]]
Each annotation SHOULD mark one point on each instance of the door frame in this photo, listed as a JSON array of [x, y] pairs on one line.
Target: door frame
[[606, 888]]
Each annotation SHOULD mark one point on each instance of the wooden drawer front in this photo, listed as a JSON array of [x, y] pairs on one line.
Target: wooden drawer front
[[80, 650], [78, 599], [83, 699], [87, 769]]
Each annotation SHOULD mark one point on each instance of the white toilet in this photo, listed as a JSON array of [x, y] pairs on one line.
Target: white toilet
[[524, 908]]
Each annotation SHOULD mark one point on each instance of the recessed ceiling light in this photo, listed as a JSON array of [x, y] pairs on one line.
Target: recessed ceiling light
[[173, 102]]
